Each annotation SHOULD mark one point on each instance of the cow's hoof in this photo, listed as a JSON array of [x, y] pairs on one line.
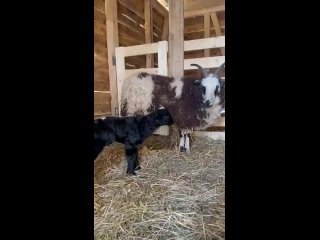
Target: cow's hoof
[[182, 149]]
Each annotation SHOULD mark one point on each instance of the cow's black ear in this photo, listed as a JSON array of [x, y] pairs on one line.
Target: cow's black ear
[[197, 82]]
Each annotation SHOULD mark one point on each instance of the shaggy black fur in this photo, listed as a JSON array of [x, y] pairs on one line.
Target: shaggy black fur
[[130, 131]]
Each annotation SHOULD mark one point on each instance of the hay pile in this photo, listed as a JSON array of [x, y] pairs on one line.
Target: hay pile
[[174, 196]]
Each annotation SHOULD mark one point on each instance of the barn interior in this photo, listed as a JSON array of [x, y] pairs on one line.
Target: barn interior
[[175, 196], [136, 22]]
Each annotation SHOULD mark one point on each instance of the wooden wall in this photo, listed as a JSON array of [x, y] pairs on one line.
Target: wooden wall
[[131, 29], [101, 75]]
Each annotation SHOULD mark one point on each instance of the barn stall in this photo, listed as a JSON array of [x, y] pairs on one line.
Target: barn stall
[[175, 196]]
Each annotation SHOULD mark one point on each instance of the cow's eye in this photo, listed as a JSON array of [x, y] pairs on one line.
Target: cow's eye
[[203, 90]]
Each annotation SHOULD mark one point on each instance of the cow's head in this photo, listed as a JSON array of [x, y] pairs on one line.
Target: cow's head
[[211, 84]]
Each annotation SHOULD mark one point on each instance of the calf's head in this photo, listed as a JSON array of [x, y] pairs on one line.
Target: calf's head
[[163, 117]]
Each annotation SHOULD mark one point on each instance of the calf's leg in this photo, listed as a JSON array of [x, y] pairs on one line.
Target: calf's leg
[[131, 151]]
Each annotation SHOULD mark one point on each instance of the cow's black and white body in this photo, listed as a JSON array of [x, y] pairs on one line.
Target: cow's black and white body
[[194, 104]]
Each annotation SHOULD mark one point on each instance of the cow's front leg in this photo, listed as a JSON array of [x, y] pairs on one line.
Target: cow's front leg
[[184, 145]]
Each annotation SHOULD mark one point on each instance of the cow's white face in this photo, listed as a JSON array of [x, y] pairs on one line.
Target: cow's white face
[[211, 90]]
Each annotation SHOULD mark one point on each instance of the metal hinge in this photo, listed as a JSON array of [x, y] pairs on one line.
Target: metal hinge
[[113, 60]]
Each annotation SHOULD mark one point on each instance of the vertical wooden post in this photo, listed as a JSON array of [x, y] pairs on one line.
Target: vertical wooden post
[[176, 38], [206, 32], [165, 29], [148, 29], [112, 43], [121, 68], [217, 29], [163, 58]]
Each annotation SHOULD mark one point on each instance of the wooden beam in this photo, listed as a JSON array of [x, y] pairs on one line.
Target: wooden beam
[[99, 57], [208, 62], [176, 38], [165, 30], [196, 28], [140, 49], [207, 32], [120, 66], [130, 5], [199, 44], [203, 11], [163, 58], [160, 8], [217, 28], [148, 29], [112, 42]]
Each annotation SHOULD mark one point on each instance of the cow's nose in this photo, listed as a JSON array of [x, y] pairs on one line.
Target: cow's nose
[[208, 104]]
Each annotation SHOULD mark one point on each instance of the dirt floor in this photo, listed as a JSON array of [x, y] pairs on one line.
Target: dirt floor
[[173, 196]]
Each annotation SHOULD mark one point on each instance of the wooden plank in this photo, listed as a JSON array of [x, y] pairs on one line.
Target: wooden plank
[[141, 49], [102, 102], [128, 17], [130, 33], [148, 29], [163, 58], [126, 39], [164, 3], [199, 35], [136, 61], [200, 4], [123, 20], [100, 28], [101, 86], [203, 11], [100, 39], [214, 42], [100, 58], [157, 18], [194, 54], [124, 11], [194, 20], [217, 28], [99, 5], [129, 72], [195, 29], [101, 115], [120, 66], [157, 26], [112, 42], [176, 38], [192, 25], [193, 36], [99, 16], [207, 32], [160, 8], [135, 6], [208, 62], [165, 29]]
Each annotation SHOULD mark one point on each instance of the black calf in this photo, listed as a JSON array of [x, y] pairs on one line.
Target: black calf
[[130, 131]]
